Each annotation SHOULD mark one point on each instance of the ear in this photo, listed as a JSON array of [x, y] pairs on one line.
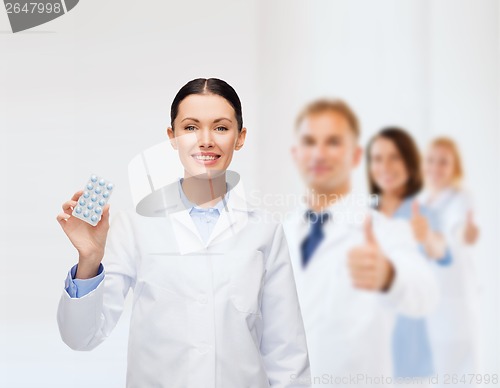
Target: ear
[[241, 139], [171, 136], [293, 152], [358, 153]]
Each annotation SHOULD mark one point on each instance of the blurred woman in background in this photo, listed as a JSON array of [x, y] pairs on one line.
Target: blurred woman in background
[[453, 327], [395, 175]]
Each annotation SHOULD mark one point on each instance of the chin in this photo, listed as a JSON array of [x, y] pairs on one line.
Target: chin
[[205, 173], [322, 183]]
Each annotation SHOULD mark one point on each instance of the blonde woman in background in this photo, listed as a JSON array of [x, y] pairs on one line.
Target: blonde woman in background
[[453, 327]]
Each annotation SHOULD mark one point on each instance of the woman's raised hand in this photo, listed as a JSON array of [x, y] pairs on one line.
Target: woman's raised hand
[[88, 240], [419, 224], [471, 231]]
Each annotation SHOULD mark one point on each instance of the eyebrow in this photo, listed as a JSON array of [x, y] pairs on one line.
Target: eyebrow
[[215, 121]]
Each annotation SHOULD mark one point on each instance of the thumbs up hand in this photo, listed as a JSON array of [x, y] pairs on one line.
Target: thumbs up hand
[[369, 269], [419, 224], [471, 231]]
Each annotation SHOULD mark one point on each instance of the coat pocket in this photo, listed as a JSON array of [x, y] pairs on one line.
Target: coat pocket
[[247, 273]]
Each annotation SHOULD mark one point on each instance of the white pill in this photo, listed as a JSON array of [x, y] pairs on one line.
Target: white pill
[[109, 186], [93, 178], [86, 213], [89, 186], [101, 202], [105, 194], [82, 202], [90, 206], [78, 209], [93, 198], [86, 194], [98, 210], [102, 182], [97, 190], [94, 218]]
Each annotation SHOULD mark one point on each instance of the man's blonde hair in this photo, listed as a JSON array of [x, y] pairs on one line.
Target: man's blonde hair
[[330, 105]]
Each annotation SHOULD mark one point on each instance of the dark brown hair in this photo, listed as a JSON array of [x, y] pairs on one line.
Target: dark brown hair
[[330, 105], [208, 86], [411, 157]]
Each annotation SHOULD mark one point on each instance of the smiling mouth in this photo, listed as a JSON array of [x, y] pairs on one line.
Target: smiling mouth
[[206, 156]]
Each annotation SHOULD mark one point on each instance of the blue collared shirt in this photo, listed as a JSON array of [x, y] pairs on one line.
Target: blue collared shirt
[[404, 211], [204, 219], [411, 349]]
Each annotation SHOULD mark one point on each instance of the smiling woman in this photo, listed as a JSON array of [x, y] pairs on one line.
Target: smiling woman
[[206, 128], [215, 302]]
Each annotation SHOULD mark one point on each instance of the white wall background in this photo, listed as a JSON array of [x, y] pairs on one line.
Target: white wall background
[[106, 73]]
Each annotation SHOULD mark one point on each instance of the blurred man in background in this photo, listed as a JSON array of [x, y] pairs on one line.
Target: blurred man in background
[[355, 269]]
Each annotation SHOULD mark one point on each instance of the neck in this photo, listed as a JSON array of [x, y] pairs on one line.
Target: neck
[[389, 202], [318, 198], [204, 192], [434, 190]]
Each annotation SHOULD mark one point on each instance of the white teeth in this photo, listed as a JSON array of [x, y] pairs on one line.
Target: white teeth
[[205, 157]]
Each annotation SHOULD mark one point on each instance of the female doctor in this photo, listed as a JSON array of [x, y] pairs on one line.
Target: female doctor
[[394, 174], [454, 326], [215, 303]]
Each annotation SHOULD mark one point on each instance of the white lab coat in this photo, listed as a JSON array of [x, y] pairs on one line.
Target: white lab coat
[[349, 330], [454, 326], [223, 314]]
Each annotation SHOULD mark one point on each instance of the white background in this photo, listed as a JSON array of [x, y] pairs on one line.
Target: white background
[[90, 90]]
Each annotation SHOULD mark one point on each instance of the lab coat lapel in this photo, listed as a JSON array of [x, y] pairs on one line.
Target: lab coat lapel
[[233, 218], [347, 219], [186, 233], [166, 202]]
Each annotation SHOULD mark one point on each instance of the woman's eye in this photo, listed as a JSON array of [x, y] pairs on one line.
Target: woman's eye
[[221, 129], [190, 128]]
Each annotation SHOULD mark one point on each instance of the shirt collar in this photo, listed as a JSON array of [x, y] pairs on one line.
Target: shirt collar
[[330, 209], [313, 217]]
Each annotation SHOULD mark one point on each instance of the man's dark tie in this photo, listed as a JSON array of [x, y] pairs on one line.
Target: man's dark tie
[[315, 235]]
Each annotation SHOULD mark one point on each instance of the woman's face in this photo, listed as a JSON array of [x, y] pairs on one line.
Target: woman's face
[[439, 167], [387, 167], [206, 135]]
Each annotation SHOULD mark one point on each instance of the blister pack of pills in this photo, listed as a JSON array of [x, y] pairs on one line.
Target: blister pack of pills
[[90, 205]]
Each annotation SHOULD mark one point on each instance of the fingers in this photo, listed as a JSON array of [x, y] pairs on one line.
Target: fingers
[[367, 281], [104, 221], [362, 259], [68, 206], [105, 212], [368, 229], [62, 217], [77, 195]]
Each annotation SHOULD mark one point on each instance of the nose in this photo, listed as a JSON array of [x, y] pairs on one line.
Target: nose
[[319, 151], [385, 165], [205, 139]]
